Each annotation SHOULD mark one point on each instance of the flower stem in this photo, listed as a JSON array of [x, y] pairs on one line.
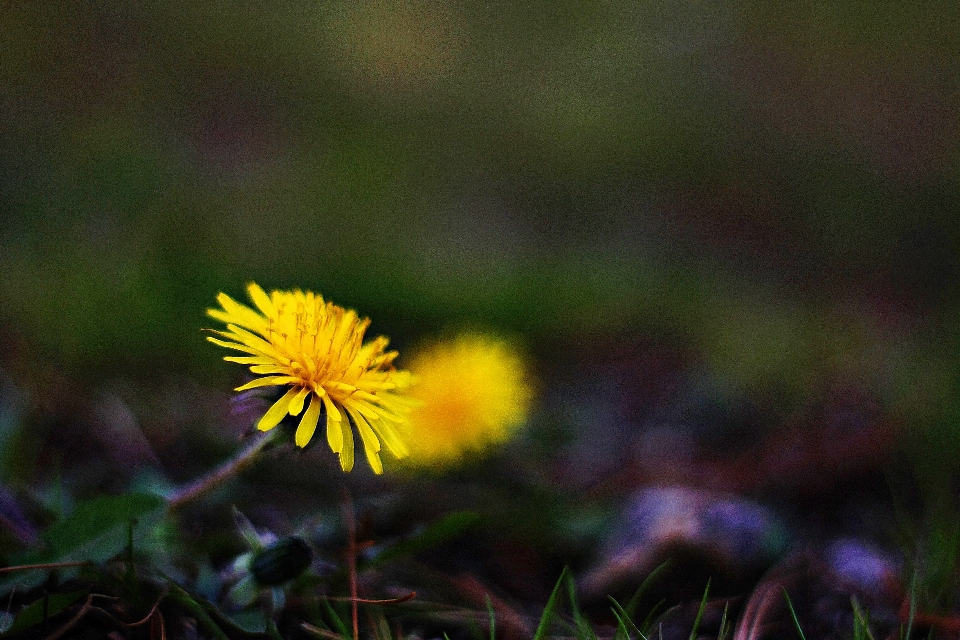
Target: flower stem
[[351, 518], [221, 474]]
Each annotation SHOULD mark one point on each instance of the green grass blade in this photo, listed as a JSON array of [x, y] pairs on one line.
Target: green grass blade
[[793, 613], [185, 600], [621, 633], [493, 619], [634, 601], [724, 631], [550, 609], [621, 615], [861, 622], [703, 606], [913, 605], [583, 629], [338, 623], [651, 616]]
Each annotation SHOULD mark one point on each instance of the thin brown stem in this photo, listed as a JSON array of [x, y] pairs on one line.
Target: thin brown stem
[[351, 521], [401, 599], [86, 608], [158, 628], [153, 610], [45, 565]]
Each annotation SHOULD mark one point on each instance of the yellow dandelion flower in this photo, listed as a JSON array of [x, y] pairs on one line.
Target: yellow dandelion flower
[[294, 339], [473, 391]]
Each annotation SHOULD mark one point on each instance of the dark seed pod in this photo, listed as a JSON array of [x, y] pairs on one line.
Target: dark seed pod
[[283, 560]]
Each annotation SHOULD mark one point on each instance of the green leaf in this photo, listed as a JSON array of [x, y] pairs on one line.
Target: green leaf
[[39, 610], [244, 592], [252, 620], [248, 531], [96, 531]]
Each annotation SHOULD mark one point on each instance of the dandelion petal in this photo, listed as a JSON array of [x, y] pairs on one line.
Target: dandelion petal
[[261, 299], [369, 438], [374, 459], [371, 444], [267, 369], [239, 314], [346, 454], [332, 411], [250, 359], [391, 438], [294, 339], [270, 381], [334, 435], [277, 412], [308, 424], [234, 345], [296, 405]]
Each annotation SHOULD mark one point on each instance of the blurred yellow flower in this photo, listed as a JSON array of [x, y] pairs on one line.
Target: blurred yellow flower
[[474, 392], [316, 348]]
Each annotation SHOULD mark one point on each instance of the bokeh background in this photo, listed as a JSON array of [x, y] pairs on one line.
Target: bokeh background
[[690, 213], [758, 175]]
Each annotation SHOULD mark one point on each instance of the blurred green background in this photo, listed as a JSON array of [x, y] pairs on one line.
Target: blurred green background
[[775, 184]]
